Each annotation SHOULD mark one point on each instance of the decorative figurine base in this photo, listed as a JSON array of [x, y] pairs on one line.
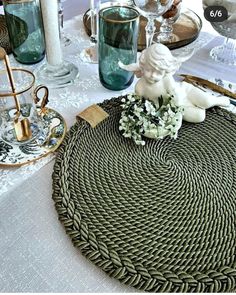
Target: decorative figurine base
[[57, 76]]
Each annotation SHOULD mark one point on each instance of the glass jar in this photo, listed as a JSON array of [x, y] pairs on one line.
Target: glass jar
[[25, 28]]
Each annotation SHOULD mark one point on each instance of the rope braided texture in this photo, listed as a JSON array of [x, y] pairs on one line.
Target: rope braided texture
[[160, 218]]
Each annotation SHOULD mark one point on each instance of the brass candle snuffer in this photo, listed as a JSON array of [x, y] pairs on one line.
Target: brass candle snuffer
[[21, 126]]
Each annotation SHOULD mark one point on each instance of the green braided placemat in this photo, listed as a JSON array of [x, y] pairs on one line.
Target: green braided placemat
[[161, 217]]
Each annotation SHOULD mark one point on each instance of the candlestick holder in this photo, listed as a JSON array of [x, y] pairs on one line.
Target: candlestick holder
[[55, 72], [56, 76]]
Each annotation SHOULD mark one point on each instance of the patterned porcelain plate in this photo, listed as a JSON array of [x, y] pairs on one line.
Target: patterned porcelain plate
[[227, 85], [223, 83], [17, 155]]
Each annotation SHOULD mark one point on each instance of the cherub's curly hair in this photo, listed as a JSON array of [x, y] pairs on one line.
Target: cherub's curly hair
[[159, 56]]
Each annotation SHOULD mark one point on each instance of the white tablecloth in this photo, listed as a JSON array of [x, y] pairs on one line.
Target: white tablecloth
[[35, 253]]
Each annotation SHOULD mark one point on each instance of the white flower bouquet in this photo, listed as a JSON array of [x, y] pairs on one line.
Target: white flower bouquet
[[141, 118]]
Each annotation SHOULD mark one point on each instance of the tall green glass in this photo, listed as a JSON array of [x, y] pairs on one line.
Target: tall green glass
[[25, 28], [118, 40]]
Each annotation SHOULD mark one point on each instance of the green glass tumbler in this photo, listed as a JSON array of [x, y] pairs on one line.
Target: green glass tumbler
[[118, 41], [25, 28]]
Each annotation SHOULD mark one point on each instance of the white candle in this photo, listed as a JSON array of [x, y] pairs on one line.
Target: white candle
[[92, 4], [51, 30]]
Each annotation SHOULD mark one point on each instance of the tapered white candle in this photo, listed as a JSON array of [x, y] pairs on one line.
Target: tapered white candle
[[51, 30], [92, 4]]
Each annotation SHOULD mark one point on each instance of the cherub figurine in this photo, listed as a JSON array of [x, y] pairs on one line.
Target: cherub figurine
[[156, 68]]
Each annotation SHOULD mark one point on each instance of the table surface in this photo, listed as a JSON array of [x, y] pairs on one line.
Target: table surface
[[35, 253]]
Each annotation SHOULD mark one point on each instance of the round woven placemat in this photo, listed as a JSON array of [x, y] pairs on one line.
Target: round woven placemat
[[4, 38], [161, 217]]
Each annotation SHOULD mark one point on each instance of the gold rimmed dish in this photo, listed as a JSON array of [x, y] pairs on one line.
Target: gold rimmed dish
[[13, 155]]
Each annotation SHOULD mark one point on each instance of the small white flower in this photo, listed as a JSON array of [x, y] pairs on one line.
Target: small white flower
[[140, 142], [131, 98], [138, 109], [127, 135], [151, 110]]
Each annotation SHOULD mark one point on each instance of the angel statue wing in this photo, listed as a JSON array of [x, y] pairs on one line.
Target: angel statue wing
[[134, 67]]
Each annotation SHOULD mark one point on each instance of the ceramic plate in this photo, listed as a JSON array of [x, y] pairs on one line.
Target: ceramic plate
[[227, 85], [17, 155]]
